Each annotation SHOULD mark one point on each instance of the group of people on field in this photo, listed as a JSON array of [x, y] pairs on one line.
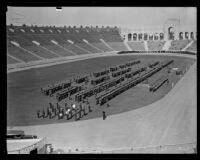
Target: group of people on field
[[68, 112]]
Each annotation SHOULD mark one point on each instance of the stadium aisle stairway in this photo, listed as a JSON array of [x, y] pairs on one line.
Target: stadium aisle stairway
[[41, 52], [193, 47], [88, 47], [21, 54], [102, 46], [11, 60]]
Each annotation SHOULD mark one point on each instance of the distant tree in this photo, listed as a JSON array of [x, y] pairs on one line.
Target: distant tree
[[96, 26], [24, 25], [81, 26], [11, 24]]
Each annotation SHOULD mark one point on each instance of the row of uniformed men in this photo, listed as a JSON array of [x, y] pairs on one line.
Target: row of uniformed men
[[77, 111]]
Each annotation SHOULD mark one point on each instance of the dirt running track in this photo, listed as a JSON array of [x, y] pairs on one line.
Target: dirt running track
[[170, 121]]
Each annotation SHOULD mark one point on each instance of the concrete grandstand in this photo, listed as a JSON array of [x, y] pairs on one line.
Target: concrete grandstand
[[42, 60]]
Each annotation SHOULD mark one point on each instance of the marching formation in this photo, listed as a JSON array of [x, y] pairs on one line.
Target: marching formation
[[75, 97]]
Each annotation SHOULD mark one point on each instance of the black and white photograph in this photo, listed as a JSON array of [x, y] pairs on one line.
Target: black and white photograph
[[101, 80]]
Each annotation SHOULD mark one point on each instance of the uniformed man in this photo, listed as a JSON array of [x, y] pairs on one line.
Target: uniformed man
[[48, 111], [60, 115], [43, 113], [77, 114], [73, 108], [84, 109], [38, 114], [81, 110], [89, 107], [68, 113], [50, 114], [104, 115]]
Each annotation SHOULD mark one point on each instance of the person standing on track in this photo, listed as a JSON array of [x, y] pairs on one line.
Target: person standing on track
[[104, 115], [38, 114]]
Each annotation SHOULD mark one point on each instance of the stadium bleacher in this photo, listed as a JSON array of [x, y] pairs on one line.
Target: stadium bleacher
[[38, 43], [155, 45], [139, 46], [21, 54], [32, 43], [193, 46], [178, 45]]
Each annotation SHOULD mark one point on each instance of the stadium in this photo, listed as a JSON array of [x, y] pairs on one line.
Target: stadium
[[101, 89]]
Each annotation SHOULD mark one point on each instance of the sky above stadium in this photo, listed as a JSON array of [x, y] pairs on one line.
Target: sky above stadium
[[125, 17]]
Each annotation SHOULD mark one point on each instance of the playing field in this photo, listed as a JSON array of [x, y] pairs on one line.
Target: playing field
[[24, 97]]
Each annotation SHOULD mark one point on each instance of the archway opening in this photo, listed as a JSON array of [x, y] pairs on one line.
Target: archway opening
[[145, 36], [186, 35], [192, 35], [151, 37], [140, 37], [181, 35], [161, 36], [135, 36], [171, 32], [129, 37]]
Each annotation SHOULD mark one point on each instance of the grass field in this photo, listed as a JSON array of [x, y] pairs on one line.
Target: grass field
[[24, 97]]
